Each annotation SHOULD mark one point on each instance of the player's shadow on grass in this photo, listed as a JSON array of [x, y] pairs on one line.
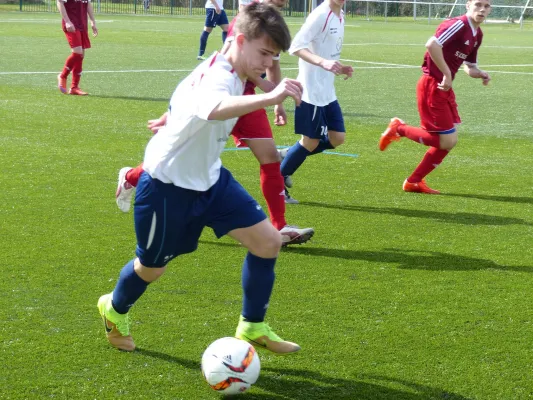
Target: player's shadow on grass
[[505, 199], [448, 217], [412, 259], [133, 98], [284, 383]]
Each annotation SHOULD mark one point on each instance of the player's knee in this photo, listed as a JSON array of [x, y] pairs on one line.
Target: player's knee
[[148, 274], [309, 144], [208, 29], [269, 246], [337, 140], [448, 142]]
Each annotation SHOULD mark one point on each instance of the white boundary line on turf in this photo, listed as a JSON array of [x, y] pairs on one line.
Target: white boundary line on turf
[[379, 65]]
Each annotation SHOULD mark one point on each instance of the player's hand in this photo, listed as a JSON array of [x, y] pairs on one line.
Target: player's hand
[[332, 66], [69, 26], [287, 88], [347, 70], [155, 124], [280, 116], [446, 83], [485, 78], [218, 10], [95, 30]]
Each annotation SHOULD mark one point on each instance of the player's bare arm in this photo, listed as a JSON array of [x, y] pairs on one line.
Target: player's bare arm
[[217, 8], [274, 76], [235, 106], [474, 72], [90, 13], [69, 26], [435, 51], [333, 66]]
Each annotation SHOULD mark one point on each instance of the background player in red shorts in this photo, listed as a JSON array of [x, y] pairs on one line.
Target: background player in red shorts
[[455, 43], [74, 21], [252, 130]]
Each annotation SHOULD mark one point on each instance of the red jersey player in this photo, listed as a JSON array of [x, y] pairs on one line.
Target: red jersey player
[[252, 130], [74, 21], [455, 43]]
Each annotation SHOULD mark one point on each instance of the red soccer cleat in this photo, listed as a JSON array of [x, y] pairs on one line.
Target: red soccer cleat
[[419, 187], [76, 91], [391, 134], [62, 84]]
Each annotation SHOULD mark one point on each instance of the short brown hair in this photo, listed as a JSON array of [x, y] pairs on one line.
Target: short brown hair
[[258, 19]]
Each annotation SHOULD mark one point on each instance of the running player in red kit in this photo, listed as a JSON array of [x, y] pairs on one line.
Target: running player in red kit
[[455, 43], [74, 21]]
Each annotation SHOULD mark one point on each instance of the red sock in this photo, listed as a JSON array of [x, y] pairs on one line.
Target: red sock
[[69, 64], [419, 135], [273, 188], [133, 175], [431, 160], [76, 70]]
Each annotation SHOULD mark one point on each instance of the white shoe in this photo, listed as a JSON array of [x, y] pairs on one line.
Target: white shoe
[[289, 199], [124, 190], [291, 234]]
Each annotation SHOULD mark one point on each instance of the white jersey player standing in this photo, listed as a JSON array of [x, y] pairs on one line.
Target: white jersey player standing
[[318, 119]]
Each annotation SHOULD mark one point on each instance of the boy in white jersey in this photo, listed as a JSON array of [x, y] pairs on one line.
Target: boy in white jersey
[[185, 188], [319, 118]]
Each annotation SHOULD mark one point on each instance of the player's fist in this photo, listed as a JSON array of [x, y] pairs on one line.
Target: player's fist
[[347, 70], [287, 88], [485, 78], [332, 66]]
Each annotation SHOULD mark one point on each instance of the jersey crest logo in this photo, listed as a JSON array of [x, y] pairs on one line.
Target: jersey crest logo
[[467, 42], [475, 44]]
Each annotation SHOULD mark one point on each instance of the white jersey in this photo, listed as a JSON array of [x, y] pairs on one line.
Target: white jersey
[[186, 151], [245, 2], [209, 4], [322, 33]]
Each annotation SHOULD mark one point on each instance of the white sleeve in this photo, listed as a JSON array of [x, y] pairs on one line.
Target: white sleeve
[[213, 88], [308, 32]]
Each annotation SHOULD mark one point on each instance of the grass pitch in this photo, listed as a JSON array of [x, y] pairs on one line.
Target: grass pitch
[[398, 296]]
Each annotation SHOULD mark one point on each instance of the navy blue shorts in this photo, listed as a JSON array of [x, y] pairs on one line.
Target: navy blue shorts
[[213, 19], [315, 121], [169, 220]]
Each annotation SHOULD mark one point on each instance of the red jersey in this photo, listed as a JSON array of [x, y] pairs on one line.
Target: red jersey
[[460, 42], [77, 13]]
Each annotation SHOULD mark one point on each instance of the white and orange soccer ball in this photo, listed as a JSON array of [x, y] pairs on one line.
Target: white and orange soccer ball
[[230, 365]]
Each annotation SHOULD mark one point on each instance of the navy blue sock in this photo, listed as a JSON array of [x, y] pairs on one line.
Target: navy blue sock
[[203, 42], [257, 283], [324, 144], [294, 158], [224, 36], [128, 290]]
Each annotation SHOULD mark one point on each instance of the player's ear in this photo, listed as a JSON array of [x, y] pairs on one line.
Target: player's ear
[[240, 39]]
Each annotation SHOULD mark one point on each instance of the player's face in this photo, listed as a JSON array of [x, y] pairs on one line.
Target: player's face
[[339, 3], [257, 55], [478, 10]]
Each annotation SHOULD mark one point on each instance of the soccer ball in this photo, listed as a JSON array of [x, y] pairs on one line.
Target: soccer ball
[[230, 365]]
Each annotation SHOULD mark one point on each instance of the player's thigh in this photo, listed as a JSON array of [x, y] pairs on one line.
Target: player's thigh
[[75, 40], [264, 150], [223, 20], [163, 221], [448, 140], [210, 18], [254, 125], [436, 112], [335, 123], [310, 121], [231, 206]]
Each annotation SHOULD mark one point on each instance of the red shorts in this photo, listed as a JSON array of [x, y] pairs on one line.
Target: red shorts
[[78, 39], [437, 108], [254, 125]]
